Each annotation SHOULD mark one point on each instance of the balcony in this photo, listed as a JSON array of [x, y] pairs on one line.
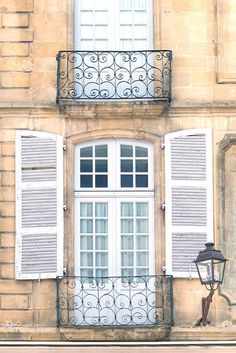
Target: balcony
[[114, 75], [114, 301]]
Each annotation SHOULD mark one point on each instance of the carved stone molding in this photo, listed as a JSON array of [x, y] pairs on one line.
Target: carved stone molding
[[225, 41], [227, 213]]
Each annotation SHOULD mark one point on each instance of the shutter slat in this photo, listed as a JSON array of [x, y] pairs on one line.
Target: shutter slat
[[188, 197], [39, 205]]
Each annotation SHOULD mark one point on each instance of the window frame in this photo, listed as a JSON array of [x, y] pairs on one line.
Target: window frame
[[114, 194], [113, 168], [114, 27]]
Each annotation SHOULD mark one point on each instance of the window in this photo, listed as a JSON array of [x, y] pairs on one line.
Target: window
[[114, 204], [113, 25], [114, 233]]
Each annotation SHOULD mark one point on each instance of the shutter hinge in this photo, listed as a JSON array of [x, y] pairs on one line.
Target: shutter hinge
[[64, 147], [64, 208], [163, 146], [163, 206]]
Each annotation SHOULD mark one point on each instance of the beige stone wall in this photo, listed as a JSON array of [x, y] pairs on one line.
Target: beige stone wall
[[201, 36], [31, 34]]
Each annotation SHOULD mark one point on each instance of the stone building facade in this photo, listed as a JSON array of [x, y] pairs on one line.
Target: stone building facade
[[201, 36]]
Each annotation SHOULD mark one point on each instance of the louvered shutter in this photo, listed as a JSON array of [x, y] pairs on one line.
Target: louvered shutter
[[189, 218], [39, 205]]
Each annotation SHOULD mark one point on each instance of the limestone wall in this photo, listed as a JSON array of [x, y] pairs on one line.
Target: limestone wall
[[202, 37]]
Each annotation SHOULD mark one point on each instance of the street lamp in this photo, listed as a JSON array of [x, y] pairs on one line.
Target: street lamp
[[210, 265]]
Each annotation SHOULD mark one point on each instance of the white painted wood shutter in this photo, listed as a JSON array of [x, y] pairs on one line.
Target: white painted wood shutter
[[189, 217], [39, 205]]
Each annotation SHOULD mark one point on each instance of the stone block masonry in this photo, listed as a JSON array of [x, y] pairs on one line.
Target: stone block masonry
[[16, 37]]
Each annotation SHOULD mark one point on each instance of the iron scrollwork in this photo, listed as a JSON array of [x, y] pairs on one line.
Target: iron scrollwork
[[114, 301], [102, 75]]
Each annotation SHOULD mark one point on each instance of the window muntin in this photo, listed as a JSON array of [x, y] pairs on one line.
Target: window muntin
[[93, 235], [135, 238], [93, 166], [114, 224], [133, 166], [113, 25], [114, 165], [114, 237]]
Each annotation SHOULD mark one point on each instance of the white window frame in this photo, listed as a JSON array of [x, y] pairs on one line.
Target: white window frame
[[114, 181], [113, 26], [114, 195]]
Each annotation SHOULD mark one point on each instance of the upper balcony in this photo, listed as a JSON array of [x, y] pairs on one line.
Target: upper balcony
[[114, 75]]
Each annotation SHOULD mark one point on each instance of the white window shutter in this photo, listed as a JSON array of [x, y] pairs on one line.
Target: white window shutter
[[189, 217], [39, 205]]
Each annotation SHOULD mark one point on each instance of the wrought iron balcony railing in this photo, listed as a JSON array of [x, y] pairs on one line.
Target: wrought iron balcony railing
[[122, 75], [114, 301]]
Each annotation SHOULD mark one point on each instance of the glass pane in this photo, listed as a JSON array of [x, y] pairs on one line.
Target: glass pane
[[101, 165], [142, 272], [86, 259], [102, 273], [127, 242], [126, 226], [126, 165], [141, 165], [101, 209], [142, 209], [139, 4], [126, 151], [101, 151], [86, 17], [86, 31], [86, 152], [127, 259], [86, 273], [86, 165], [86, 226], [126, 4], [101, 32], [101, 242], [125, 17], [101, 226], [140, 17], [86, 242], [126, 44], [141, 181], [86, 209], [142, 242], [101, 17], [141, 152], [86, 181], [142, 258], [127, 209], [126, 181], [101, 259], [142, 226], [129, 272], [140, 31], [101, 181], [124, 30]]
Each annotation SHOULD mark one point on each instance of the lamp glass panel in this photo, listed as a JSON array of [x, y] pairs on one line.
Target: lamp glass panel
[[218, 271], [205, 271]]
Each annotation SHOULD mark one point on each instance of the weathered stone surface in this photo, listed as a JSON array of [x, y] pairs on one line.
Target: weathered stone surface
[[15, 20], [16, 5], [15, 49]]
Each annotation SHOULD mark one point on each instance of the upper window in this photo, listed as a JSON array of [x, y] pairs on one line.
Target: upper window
[[114, 165], [113, 24]]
